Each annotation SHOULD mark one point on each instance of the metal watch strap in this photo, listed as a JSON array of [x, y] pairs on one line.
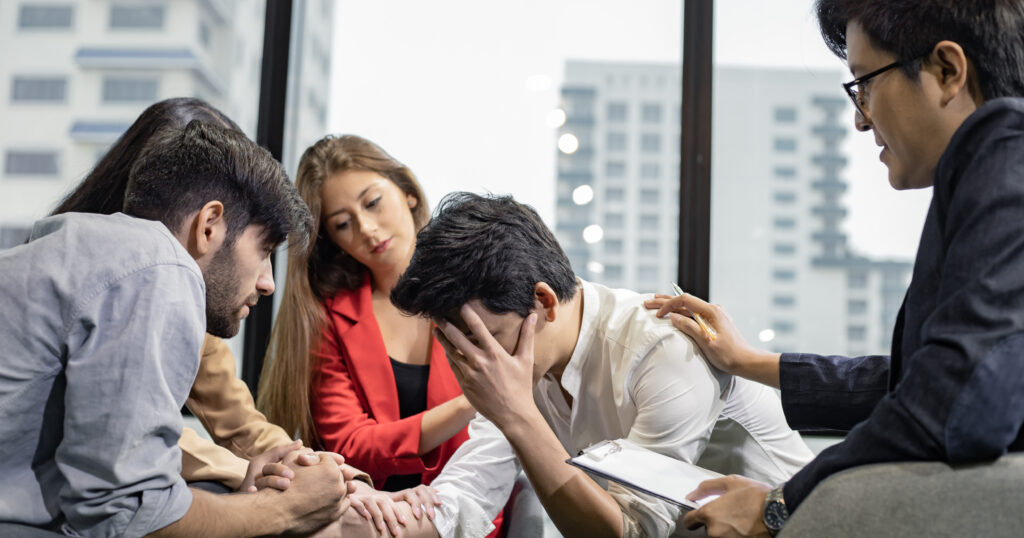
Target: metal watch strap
[[774, 512]]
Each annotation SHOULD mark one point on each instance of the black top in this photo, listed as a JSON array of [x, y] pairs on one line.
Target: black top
[[411, 382], [950, 390]]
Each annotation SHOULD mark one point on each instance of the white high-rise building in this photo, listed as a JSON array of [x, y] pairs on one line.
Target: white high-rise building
[[74, 74], [779, 257]]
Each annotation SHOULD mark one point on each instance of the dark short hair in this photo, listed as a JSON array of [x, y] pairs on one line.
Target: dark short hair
[[102, 191], [490, 248], [180, 170], [991, 33]]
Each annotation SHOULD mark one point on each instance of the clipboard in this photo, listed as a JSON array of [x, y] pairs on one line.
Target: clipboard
[[644, 470]]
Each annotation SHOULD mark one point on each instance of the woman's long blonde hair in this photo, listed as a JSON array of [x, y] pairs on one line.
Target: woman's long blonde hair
[[316, 274]]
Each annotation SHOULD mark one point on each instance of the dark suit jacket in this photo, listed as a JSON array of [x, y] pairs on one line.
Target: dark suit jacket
[[953, 388]]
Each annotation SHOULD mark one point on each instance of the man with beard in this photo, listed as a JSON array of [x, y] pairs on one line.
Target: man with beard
[[101, 323]]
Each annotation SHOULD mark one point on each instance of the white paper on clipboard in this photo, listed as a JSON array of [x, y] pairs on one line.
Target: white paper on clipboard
[[644, 470]]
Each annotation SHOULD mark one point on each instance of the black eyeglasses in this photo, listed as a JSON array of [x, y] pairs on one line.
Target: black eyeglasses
[[855, 89]]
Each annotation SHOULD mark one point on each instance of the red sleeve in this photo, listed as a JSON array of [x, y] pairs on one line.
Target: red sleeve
[[344, 422]]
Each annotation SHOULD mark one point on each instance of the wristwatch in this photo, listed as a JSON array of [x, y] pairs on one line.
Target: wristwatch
[[775, 512]]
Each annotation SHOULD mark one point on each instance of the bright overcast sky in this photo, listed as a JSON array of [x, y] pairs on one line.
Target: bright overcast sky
[[459, 89]]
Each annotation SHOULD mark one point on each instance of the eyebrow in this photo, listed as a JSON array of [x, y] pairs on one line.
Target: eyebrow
[[361, 194]]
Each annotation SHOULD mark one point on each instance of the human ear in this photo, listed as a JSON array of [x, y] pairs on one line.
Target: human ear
[[951, 69], [546, 298], [207, 230], [413, 202]]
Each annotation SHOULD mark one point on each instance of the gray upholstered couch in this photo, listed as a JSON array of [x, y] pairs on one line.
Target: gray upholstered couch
[[916, 499]]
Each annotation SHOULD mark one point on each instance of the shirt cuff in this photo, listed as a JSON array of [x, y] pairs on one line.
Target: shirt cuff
[[459, 517]]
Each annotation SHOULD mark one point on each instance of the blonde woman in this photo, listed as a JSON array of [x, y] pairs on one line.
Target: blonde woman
[[347, 370]]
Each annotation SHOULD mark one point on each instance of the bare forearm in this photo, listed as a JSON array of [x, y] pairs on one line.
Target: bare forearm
[[442, 422], [576, 504], [353, 525], [762, 367], [228, 515]]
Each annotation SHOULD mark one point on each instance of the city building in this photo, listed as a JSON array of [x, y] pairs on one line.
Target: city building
[[779, 255], [76, 73]]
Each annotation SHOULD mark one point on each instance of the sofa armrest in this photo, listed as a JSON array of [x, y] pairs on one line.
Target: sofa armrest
[[916, 499]]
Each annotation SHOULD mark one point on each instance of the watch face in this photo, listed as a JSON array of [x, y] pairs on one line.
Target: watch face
[[775, 515]]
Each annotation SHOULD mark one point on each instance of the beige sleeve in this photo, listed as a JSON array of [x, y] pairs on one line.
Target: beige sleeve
[[223, 404], [203, 460], [351, 473]]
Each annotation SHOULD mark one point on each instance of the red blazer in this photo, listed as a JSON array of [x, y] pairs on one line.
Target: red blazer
[[355, 402]]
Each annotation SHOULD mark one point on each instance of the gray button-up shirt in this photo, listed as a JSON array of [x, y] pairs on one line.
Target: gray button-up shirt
[[101, 324]]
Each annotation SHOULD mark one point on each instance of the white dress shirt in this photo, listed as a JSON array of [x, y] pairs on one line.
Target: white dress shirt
[[630, 376]]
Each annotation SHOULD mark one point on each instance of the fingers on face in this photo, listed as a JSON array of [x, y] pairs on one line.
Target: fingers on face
[[449, 348], [453, 341], [472, 320], [526, 335]]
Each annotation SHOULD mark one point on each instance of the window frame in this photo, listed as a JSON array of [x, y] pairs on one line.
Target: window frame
[[270, 130], [694, 116]]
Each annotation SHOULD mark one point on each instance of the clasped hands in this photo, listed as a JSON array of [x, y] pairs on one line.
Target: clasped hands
[[273, 469]]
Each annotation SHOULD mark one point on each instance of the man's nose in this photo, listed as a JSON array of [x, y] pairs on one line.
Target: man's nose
[[265, 282], [861, 120]]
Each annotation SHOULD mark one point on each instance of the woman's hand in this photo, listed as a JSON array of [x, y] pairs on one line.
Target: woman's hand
[[378, 507], [728, 351], [421, 498]]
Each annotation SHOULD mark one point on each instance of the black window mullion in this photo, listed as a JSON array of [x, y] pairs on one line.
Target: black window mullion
[[269, 134], [695, 149]]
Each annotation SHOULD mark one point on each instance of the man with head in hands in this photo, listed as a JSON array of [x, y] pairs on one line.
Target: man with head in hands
[[558, 364]]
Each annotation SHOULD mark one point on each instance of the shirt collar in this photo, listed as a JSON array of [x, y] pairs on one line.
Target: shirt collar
[[573, 374], [996, 118]]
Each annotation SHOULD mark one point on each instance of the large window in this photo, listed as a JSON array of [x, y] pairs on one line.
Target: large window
[[803, 221], [586, 101]]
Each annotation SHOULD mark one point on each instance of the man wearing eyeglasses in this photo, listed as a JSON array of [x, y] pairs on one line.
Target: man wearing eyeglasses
[[938, 84]]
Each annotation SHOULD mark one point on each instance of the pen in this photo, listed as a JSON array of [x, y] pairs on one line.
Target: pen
[[709, 331]]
